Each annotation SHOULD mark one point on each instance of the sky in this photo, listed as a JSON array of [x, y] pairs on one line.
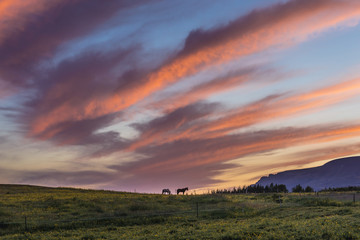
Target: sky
[[141, 95]]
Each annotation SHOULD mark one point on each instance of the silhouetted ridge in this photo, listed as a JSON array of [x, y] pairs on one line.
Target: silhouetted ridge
[[337, 173]]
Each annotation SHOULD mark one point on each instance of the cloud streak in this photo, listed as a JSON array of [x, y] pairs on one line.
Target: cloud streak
[[74, 82], [33, 31], [170, 162], [196, 152], [266, 109], [270, 27], [74, 85]]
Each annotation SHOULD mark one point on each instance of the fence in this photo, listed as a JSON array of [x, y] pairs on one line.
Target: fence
[[354, 197], [32, 223], [216, 206]]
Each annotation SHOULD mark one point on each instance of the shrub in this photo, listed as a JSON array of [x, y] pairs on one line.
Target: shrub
[[309, 189], [298, 188]]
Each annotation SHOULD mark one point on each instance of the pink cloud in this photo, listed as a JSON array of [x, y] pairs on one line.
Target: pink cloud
[[276, 26]]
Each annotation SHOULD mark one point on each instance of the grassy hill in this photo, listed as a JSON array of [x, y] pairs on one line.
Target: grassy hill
[[66, 213]]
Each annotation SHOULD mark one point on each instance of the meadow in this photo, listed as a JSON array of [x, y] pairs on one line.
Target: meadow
[[29, 212]]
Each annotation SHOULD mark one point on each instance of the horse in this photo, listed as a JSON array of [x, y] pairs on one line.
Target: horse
[[182, 190], [166, 190]]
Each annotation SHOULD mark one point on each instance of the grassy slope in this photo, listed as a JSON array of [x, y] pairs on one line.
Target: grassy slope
[[64, 213]]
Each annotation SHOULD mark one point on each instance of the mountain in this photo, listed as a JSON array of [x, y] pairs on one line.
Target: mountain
[[342, 172]]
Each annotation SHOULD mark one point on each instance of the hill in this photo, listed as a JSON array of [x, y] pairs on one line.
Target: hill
[[337, 173], [34, 212]]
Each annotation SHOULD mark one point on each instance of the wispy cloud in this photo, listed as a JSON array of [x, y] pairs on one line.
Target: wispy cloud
[[174, 159], [222, 123], [73, 84], [326, 153], [32, 31], [80, 98], [272, 27], [219, 84]]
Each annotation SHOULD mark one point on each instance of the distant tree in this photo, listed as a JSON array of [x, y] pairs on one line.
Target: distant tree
[[282, 188], [298, 188], [272, 188], [309, 189]]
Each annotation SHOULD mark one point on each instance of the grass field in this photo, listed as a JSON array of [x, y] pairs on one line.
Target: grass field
[[64, 213]]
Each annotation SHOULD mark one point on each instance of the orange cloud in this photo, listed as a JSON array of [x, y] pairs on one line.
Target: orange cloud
[[203, 152], [279, 106], [206, 89], [278, 26], [322, 154], [269, 108], [14, 14]]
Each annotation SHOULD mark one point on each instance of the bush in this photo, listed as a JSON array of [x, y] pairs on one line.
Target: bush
[[298, 188]]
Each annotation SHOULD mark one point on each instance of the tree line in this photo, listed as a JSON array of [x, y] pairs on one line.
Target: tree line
[[281, 188], [272, 188]]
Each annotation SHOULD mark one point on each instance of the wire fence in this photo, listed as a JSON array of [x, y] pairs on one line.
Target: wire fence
[[191, 209], [354, 197], [32, 223]]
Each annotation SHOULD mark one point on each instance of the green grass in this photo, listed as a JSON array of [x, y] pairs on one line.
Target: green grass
[[65, 213]]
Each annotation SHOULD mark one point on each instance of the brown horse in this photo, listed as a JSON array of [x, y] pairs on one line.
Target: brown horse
[[182, 190], [166, 190]]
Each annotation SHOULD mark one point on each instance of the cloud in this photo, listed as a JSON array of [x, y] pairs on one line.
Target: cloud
[[257, 31], [193, 178], [3, 139], [268, 108], [196, 162], [281, 106], [70, 87], [83, 132], [307, 158], [173, 125], [66, 178], [9, 109], [326, 153], [204, 120], [213, 86], [187, 153], [275, 26], [35, 30], [72, 101]]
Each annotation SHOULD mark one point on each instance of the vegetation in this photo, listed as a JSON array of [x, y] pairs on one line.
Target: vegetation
[[64, 213], [309, 189], [298, 189], [272, 188], [342, 189]]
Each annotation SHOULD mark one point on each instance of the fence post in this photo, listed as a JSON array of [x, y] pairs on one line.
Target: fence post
[[26, 224], [354, 198], [197, 209]]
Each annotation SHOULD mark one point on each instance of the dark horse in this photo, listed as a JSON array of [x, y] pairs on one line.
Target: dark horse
[[182, 190], [166, 190]]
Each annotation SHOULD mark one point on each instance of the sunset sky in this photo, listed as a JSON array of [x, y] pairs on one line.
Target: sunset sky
[[148, 94]]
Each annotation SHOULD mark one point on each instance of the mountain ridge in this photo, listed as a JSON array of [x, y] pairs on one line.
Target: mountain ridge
[[342, 172]]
